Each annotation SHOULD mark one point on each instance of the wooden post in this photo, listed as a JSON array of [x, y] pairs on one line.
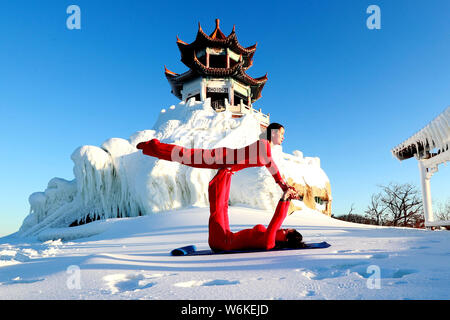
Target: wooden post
[[203, 90], [230, 93]]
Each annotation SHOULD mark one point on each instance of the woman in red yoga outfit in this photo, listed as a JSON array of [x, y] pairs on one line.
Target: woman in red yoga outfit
[[229, 161]]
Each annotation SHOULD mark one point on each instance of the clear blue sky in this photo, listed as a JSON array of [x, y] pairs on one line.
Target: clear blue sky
[[345, 93]]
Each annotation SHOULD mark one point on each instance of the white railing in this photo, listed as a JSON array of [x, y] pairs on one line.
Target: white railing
[[242, 109]]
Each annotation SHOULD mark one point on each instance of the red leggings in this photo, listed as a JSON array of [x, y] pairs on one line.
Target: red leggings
[[220, 236]]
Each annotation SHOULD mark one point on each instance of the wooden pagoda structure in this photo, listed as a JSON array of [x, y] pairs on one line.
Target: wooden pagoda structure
[[217, 70]]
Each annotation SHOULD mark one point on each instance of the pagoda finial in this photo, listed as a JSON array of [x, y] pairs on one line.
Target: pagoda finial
[[217, 23]]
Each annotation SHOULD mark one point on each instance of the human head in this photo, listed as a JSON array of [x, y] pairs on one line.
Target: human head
[[294, 240], [275, 133]]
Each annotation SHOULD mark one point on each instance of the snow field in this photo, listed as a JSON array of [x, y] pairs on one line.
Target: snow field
[[129, 259]]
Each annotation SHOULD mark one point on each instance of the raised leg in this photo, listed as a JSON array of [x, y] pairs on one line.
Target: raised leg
[[219, 226], [193, 157]]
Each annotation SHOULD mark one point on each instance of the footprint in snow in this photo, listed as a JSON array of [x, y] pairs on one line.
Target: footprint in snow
[[307, 293], [307, 273], [339, 270], [120, 282]]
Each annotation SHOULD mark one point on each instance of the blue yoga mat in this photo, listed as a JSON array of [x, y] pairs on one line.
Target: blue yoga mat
[[191, 250]]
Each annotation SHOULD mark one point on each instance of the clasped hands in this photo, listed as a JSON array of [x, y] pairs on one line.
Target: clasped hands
[[290, 194]]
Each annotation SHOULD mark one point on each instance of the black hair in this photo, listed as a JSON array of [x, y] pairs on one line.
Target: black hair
[[294, 240], [272, 126]]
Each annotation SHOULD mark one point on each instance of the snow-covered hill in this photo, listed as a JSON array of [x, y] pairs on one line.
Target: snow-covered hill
[[129, 259]]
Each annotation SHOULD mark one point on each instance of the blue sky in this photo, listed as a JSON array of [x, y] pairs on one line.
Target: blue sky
[[344, 93]]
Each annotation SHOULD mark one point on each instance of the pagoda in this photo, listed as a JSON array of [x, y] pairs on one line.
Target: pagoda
[[217, 70]]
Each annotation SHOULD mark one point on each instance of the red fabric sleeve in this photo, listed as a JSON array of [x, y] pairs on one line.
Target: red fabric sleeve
[[271, 165], [259, 237], [277, 220]]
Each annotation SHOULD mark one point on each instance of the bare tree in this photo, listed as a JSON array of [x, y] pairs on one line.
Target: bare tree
[[352, 207], [376, 209], [403, 203], [356, 218], [443, 211]]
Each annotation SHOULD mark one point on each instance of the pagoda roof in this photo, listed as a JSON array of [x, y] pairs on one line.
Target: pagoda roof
[[217, 39], [200, 70]]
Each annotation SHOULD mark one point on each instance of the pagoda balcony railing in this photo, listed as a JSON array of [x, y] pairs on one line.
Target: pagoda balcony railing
[[238, 109], [242, 109], [218, 105]]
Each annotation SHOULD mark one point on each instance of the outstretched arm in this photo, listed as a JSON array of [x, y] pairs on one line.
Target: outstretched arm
[[273, 231], [266, 153], [259, 236]]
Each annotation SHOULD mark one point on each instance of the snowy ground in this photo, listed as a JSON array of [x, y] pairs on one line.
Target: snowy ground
[[129, 259]]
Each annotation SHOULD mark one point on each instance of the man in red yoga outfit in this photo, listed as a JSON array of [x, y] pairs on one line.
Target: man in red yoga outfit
[[229, 161]]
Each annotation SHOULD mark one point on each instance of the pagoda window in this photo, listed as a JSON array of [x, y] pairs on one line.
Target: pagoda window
[[240, 88], [201, 56], [239, 97], [232, 63], [217, 99], [233, 56], [217, 61], [217, 57]]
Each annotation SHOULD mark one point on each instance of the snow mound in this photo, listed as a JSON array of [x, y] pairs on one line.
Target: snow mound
[[116, 180]]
